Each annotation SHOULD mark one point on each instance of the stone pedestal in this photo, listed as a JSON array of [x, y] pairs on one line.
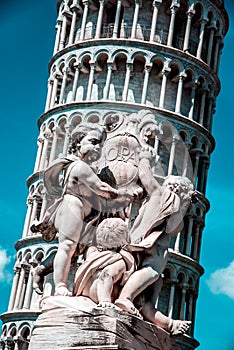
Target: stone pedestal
[[76, 323]]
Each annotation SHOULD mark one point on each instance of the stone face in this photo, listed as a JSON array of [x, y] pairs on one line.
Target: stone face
[[76, 323]]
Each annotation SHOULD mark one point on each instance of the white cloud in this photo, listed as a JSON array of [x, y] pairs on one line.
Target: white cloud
[[222, 281], [5, 275]]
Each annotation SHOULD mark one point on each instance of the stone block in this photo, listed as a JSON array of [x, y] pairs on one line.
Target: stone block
[[77, 323]]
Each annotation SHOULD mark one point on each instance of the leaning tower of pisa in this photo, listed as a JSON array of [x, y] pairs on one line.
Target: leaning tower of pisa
[[122, 57]]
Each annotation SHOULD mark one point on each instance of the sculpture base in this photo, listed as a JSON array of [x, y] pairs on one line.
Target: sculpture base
[[77, 323]]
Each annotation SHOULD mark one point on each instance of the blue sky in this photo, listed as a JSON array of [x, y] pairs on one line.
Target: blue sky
[[27, 39]]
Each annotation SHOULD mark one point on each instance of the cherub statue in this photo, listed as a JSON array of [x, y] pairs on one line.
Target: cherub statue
[[70, 214], [159, 219], [107, 270]]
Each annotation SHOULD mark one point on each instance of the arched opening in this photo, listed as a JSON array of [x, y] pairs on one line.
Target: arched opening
[[118, 77], [172, 87], [155, 81]]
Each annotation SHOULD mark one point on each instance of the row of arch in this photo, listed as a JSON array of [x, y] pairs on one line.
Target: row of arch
[[159, 81], [16, 336], [195, 27], [181, 153], [23, 296]]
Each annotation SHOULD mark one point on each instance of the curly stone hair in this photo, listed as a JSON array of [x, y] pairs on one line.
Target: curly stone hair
[[80, 132], [112, 233]]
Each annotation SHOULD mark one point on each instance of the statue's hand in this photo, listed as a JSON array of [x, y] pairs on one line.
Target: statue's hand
[[147, 153]]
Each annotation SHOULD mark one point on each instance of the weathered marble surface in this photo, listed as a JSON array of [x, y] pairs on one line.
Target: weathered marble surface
[[77, 323]]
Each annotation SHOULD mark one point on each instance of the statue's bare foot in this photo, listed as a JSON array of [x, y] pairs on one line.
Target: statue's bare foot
[[38, 278], [178, 327], [62, 290], [105, 304], [127, 305]]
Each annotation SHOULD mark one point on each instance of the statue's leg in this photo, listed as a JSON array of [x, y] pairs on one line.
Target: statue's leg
[[62, 264], [137, 282], [69, 223], [42, 270]]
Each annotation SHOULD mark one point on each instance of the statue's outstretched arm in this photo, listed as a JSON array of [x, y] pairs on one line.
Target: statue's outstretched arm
[[90, 179]]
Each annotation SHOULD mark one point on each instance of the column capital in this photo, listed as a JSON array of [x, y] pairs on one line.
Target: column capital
[[47, 134], [191, 12], [85, 2], [26, 266], [165, 71], [129, 65], [148, 67], [203, 21], [156, 2], [175, 5], [182, 75], [30, 201], [75, 7]]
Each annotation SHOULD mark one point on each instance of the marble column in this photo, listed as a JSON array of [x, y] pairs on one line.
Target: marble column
[[49, 94], [75, 81], [190, 307], [108, 81], [84, 19], [28, 217], [201, 38], [183, 297], [63, 31], [182, 76], [146, 82], [186, 162], [47, 136], [100, 18], [117, 19], [177, 243], [91, 78], [44, 204], [127, 80], [165, 72], [14, 287], [190, 14], [196, 241], [40, 142], [172, 154], [195, 169], [135, 19], [26, 268], [20, 288], [54, 90], [63, 87], [194, 85], [58, 34], [154, 19], [211, 101], [36, 200], [217, 49], [66, 139], [29, 290], [188, 236], [204, 92], [174, 8], [171, 298], [210, 45], [56, 130], [74, 8]]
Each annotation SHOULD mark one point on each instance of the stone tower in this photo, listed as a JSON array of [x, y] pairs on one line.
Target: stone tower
[[124, 56]]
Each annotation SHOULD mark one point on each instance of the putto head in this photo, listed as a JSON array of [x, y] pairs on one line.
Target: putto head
[[112, 233]]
